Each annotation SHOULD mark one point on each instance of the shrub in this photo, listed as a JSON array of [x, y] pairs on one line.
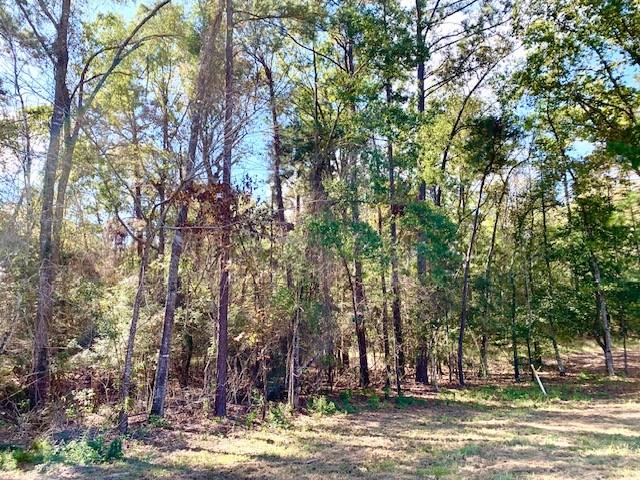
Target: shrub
[[157, 421], [374, 402], [321, 406], [80, 452], [8, 461], [278, 416]]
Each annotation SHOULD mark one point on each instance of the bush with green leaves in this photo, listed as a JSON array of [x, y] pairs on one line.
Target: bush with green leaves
[[320, 405], [81, 451], [373, 401], [278, 416], [8, 461]]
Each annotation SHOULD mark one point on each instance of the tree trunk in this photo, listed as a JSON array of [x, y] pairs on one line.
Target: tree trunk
[[40, 385], [223, 306], [603, 316], [198, 105], [123, 418], [162, 368], [385, 316], [464, 307], [395, 280], [277, 146], [514, 339], [556, 349], [484, 350], [294, 357], [422, 374], [360, 327]]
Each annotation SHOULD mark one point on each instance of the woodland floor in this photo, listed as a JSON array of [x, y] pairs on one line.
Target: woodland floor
[[588, 428]]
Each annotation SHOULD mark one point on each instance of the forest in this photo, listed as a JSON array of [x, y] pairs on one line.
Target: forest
[[319, 239]]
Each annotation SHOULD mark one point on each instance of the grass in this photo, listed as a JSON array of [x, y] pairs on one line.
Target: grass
[[588, 427]]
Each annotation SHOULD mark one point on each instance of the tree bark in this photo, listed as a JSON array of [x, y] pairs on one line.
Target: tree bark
[[198, 105], [464, 307], [603, 315], [39, 387], [277, 145], [123, 417], [395, 280], [514, 338], [385, 316], [220, 409]]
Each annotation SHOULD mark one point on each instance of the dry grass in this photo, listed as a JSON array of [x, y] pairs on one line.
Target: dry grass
[[588, 429]]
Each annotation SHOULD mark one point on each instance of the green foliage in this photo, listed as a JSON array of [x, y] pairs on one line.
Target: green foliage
[[278, 416], [322, 406], [407, 401], [157, 421], [8, 460], [81, 451], [373, 401]]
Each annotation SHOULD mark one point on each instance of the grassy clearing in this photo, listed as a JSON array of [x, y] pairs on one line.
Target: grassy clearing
[[588, 427]]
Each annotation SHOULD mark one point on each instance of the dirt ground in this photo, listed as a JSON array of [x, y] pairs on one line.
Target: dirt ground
[[588, 428]]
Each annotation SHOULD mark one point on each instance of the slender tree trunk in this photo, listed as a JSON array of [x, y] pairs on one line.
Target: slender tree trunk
[[395, 280], [198, 105], [360, 327], [277, 145], [385, 316], [514, 337], [464, 307], [484, 349], [603, 315], [294, 357], [70, 139], [162, 368], [554, 342], [123, 417], [624, 347], [39, 387], [223, 310]]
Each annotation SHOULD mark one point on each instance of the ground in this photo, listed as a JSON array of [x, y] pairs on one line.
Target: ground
[[588, 428]]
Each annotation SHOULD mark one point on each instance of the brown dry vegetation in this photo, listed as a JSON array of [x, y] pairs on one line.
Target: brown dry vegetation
[[588, 428]]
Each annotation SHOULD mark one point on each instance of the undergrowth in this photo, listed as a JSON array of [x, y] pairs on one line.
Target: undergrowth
[[42, 452]]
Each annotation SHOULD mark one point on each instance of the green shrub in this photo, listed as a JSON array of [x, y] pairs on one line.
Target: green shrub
[[80, 452], [250, 419], [346, 395], [115, 450], [321, 406], [41, 451], [374, 402], [278, 416], [8, 461], [157, 421]]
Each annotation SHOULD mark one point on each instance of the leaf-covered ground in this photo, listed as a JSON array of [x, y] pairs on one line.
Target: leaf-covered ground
[[588, 428]]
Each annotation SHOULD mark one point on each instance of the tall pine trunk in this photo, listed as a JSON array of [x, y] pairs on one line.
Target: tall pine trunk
[[220, 409], [395, 276], [385, 318]]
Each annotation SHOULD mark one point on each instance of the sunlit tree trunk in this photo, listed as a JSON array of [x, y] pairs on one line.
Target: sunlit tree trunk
[[39, 387], [395, 276], [220, 408], [464, 306], [125, 386]]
